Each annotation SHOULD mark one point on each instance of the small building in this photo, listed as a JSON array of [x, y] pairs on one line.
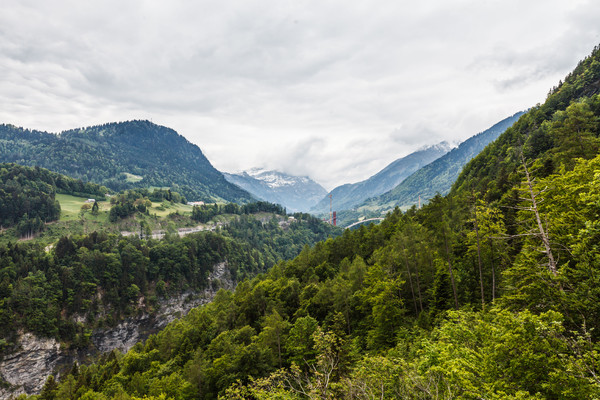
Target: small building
[[195, 203]]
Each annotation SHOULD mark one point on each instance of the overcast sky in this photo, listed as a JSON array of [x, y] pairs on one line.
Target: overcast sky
[[331, 89]]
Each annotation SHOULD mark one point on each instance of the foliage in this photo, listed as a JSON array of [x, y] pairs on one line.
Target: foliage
[[206, 212], [128, 203], [44, 291]]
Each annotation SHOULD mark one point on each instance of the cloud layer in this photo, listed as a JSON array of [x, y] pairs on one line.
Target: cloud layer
[[335, 90]]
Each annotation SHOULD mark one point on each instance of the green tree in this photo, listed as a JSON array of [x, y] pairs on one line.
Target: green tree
[[575, 130], [273, 334], [95, 208]]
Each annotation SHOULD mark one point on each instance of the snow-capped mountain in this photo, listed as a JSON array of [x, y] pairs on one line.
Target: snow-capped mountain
[[296, 193], [276, 179], [439, 175], [347, 196]]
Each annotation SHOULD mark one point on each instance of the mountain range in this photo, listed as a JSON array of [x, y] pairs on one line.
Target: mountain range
[[122, 155], [438, 176], [296, 193], [488, 292], [351, 194]]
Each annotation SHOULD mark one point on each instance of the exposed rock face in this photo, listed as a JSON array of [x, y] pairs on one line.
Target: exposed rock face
[[126, 334], [122, 336], [27, 368]]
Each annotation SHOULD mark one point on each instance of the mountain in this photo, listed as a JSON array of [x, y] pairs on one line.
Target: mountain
[[438, 176], [351, 194], [122, 155], [296, 193]]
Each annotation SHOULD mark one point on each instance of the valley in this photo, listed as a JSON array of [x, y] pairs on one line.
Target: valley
[[485, 292], [296, 193], [132, 269], [104, 274]]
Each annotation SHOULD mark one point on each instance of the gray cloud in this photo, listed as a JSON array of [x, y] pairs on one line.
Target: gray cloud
[[331, 89]]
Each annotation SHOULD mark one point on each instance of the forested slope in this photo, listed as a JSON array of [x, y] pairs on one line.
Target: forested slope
[[349, 195], [106, 277], [122, 155], [490, 292]]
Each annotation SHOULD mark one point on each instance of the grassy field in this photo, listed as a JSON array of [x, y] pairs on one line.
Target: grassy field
[[165, 208], [161, 216], [70, 206], [132, 178], [72, 220]]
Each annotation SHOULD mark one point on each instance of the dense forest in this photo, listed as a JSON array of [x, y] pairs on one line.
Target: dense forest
[[27, 196], [489, 292], [206, 212], [132, 154], [106, 277]]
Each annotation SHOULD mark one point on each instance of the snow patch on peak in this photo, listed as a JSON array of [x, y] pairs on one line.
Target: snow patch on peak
[[275, 179], [443, 146], [254, 172]]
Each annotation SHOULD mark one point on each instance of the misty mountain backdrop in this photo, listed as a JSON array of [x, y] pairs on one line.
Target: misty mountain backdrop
[[296, 193], [438, 176], [348, 195]]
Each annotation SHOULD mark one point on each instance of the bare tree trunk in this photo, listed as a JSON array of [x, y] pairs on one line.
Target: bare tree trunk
[[419, 289], [279, 348], [534, 208], [493, 271], [417, 274]]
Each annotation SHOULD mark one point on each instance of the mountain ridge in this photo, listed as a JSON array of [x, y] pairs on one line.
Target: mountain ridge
[[122, 155], [350, 194], [458, 298], [439, 175]]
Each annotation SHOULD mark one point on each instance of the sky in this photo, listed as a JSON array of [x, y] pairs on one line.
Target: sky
[[335, 90]]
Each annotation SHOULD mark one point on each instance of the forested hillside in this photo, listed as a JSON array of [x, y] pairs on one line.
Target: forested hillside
[[122, 155], [67, 289], [105, 277], [27, 196], [489, 292]]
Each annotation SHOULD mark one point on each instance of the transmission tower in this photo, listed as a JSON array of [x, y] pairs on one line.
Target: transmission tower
[[330, 209]]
